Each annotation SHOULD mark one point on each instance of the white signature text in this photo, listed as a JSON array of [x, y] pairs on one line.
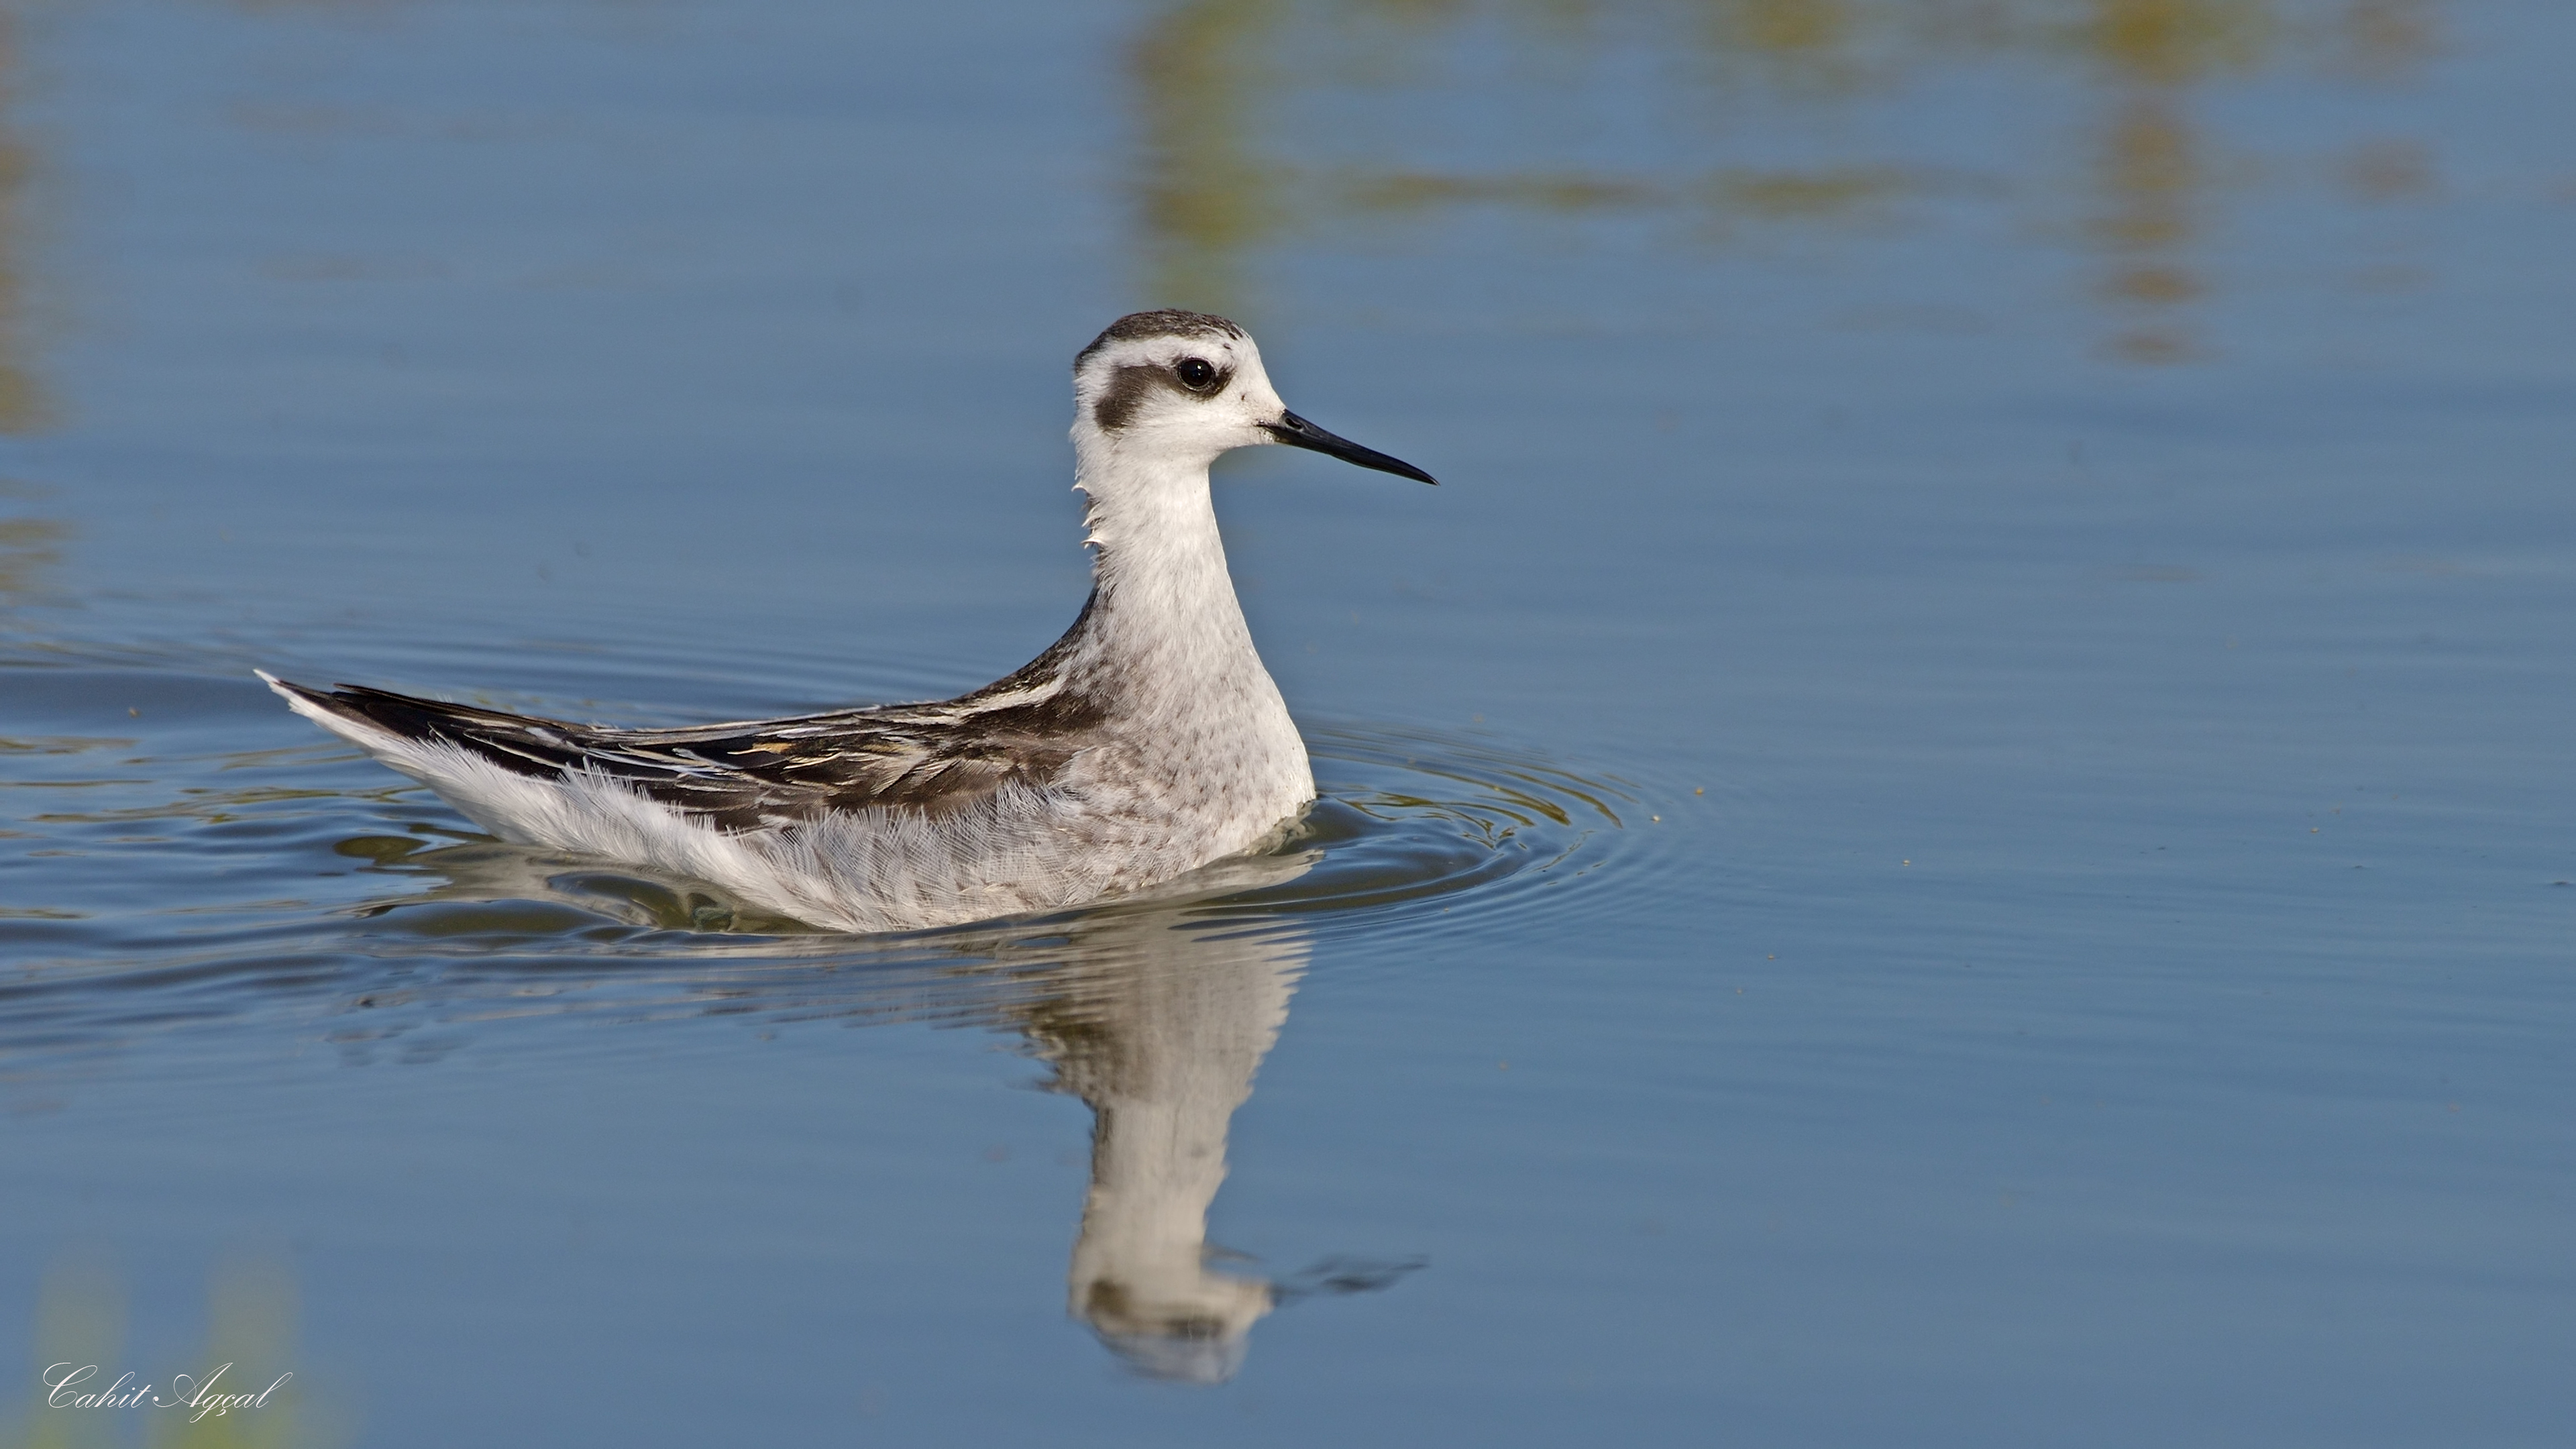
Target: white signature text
[[69, 1386]]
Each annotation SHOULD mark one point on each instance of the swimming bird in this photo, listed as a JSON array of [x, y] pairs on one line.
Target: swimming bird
[[1146, 742]]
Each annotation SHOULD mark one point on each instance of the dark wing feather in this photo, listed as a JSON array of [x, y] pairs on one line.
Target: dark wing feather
[[932, 757]]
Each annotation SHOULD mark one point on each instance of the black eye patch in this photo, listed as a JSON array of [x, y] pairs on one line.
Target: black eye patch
[[1130, 385]]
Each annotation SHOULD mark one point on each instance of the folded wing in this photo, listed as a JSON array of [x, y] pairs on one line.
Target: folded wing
[[753, 775]]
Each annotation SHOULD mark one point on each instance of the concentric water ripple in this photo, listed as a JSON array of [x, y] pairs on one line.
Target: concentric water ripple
[[305, 885]]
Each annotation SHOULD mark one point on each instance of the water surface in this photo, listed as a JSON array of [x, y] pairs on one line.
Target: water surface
[[1950, 829]]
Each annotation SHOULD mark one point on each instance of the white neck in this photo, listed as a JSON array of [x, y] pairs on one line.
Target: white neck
[[1163, 591], [1210, 753]]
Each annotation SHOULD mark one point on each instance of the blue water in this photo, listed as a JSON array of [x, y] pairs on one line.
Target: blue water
[[1951, 829]]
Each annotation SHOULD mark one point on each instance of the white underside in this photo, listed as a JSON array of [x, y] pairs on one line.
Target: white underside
[[1020, 849]]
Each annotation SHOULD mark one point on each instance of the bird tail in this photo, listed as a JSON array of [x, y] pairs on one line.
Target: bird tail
[[333, 710]]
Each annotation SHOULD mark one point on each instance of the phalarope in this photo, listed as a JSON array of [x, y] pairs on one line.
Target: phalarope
[[1145, 743]]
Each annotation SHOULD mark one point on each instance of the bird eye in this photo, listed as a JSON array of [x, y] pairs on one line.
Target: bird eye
[[1195, 373]]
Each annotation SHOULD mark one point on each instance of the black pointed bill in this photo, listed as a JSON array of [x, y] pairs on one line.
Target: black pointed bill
[[1296, 432]]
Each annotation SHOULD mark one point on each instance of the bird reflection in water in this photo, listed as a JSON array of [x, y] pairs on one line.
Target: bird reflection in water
[[1155, 1010], [1159, 1023], [1160, 1029]]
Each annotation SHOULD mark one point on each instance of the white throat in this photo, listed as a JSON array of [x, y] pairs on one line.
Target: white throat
[[1159, 563], [1193, 717]]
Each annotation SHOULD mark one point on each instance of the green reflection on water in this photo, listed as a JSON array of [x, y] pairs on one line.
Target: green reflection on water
[[29, 545], [81, 1319], [22, 403], [1238, 151]]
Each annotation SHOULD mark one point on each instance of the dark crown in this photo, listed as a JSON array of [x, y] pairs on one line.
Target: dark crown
[[1140, 326]]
